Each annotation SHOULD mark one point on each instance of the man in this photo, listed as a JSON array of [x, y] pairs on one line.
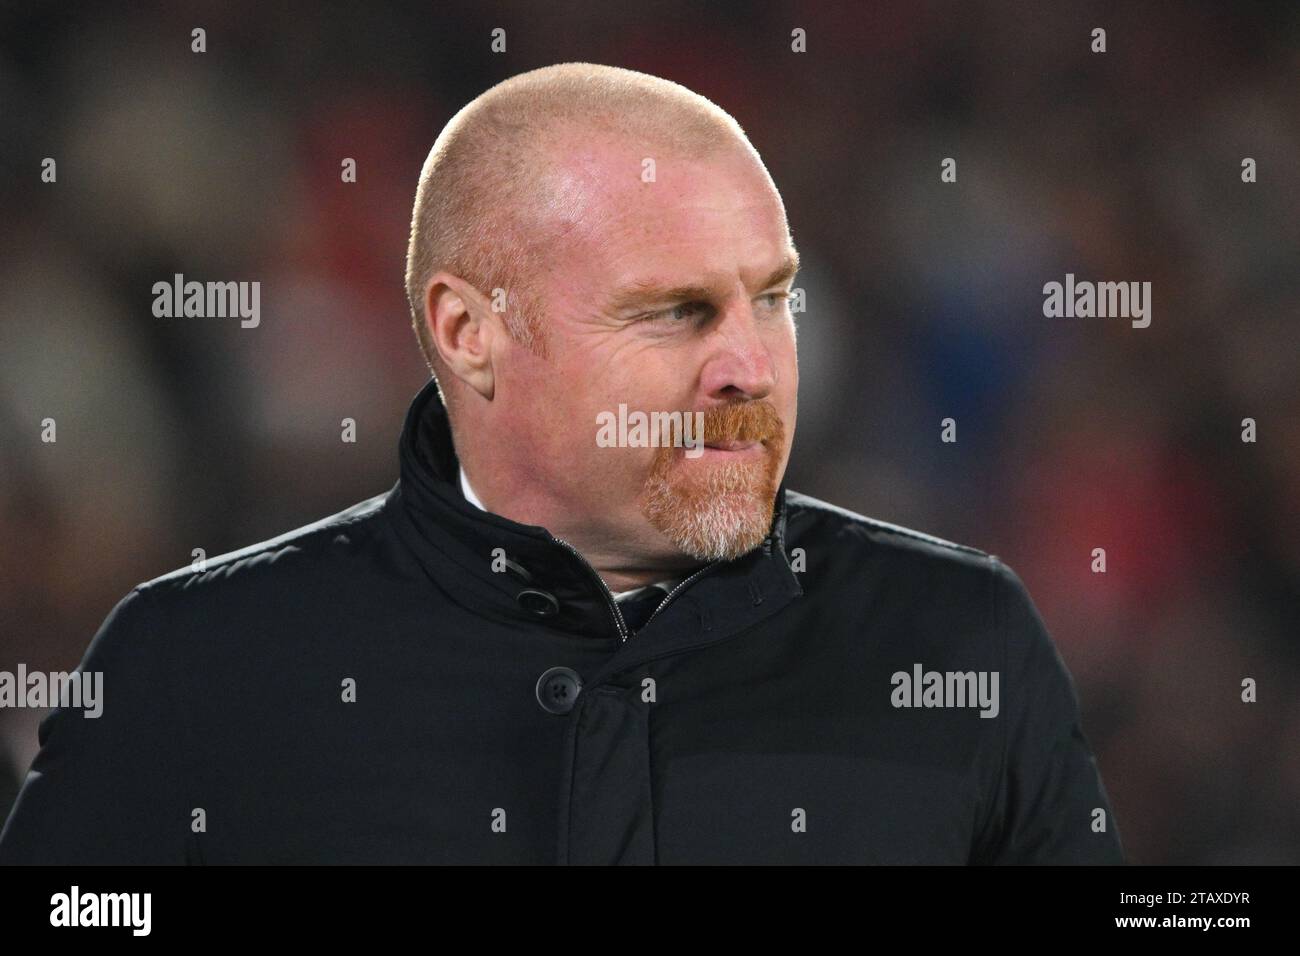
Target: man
[[445, 673]]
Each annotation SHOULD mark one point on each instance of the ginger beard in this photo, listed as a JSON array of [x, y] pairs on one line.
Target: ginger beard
[[715, 509]]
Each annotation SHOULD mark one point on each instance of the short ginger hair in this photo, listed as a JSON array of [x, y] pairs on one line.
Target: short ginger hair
[[477, 212]]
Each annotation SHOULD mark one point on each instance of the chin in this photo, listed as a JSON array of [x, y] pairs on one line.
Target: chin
[[721, 543], [720, 515]]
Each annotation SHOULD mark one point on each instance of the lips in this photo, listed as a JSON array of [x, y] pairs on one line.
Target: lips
[[741, 433], [731, 445]]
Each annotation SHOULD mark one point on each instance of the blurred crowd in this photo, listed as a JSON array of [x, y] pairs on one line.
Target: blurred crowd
[[924, 303]]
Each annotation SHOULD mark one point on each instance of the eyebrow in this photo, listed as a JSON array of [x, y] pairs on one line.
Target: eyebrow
[[646, 291]]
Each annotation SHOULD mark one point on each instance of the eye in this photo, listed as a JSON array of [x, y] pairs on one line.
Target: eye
[[776, 297], [680, 312]]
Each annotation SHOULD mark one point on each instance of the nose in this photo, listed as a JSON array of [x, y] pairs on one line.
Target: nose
[[740, 363]]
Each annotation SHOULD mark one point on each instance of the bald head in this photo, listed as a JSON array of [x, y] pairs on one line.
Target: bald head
[[553, 279], [491, 200]]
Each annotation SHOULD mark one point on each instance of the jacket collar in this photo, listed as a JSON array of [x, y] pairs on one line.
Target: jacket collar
[[516, 573]]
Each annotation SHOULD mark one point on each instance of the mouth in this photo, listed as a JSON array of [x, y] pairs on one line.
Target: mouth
[[732, 445], [732, 448]]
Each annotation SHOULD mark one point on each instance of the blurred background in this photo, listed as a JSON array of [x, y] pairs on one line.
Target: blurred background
[[924, 302]]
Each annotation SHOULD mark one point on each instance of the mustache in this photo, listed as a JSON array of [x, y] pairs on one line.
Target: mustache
[[756, 420], [753, 420]]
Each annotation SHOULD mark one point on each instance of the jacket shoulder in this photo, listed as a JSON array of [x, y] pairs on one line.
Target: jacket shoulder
[[809, 517], [281, 552]]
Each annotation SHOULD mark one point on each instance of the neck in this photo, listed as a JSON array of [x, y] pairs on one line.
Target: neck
[[621, 568], [619, 575]]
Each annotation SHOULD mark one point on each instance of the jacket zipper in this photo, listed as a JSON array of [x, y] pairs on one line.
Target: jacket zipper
[[609, 595], [681, 584]]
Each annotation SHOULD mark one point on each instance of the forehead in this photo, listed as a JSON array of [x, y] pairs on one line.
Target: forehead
[[698, 217]]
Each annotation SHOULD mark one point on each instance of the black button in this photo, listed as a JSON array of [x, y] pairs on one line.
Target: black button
[[558, 689], [541, 603]]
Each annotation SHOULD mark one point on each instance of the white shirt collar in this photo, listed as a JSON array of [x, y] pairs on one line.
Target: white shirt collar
[[667, 584], [473, 499], [469, 492]]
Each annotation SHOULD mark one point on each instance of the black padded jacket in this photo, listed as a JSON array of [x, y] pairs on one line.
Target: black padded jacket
[[414, 680]]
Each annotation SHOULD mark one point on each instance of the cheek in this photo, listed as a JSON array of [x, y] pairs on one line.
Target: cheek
[[785, 357]]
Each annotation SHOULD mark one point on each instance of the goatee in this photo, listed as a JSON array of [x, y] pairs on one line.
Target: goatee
[[718, 510]]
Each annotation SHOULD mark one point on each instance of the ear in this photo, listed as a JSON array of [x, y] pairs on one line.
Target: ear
[[461, 326]]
